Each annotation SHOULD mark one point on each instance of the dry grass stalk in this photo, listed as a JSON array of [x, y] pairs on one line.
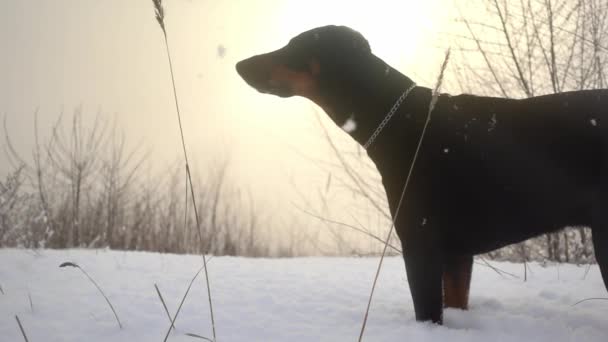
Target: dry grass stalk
[[198, 336], [586, 271], [495, 269], [395, 248], [346, 225], [588, 299], [21, 328], [71, 264], [160, 17], [407, 180], [29, 296], [179, 308], [162, 300]]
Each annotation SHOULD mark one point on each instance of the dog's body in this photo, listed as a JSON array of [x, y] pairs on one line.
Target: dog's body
[[490, 172]]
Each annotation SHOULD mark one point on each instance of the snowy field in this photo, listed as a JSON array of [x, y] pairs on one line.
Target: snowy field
[[303, 299]]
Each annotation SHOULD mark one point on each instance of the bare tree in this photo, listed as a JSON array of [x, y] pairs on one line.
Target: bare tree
[[118, 172], [351, 178], [75, 156], [85, 187], [532, 47]]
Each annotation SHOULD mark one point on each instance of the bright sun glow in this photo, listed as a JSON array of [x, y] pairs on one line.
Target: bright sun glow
[[394, 29]]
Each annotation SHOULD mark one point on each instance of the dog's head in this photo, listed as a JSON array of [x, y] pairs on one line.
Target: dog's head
[[320, 64]]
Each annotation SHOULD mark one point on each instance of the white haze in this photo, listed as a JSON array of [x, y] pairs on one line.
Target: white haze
[[108, 57]]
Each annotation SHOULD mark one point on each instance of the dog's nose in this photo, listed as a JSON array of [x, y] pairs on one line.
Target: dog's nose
[[248, 70], [241, 68]]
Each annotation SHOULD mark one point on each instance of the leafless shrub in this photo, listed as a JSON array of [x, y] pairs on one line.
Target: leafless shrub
[[94, 191], [527, 48], [350, 179], [9, 199]]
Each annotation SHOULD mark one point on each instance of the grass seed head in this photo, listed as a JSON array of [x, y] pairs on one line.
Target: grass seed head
[[159, 11]]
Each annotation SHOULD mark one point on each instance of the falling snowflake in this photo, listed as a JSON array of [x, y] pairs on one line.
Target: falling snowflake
[[593, 122], [350, 125], [221, 51]]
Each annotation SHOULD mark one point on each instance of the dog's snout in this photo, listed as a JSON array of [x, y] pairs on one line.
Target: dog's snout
[[267, 74], [253, 71]]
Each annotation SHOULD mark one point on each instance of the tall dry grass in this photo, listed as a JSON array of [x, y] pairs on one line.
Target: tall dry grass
[[431, 106], [160, 18]]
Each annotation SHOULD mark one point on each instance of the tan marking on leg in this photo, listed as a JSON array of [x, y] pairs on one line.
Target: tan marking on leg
[[456, 282]]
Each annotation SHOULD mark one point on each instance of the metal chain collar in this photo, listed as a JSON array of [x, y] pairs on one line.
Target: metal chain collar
[[388, 116]]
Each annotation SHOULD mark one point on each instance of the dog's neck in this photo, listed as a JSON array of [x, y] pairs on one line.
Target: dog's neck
[[377, 90]]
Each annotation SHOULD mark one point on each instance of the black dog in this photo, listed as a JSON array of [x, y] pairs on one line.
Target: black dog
[[491, 171]]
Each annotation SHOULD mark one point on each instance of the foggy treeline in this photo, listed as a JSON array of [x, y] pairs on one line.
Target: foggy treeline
[[83, 187]]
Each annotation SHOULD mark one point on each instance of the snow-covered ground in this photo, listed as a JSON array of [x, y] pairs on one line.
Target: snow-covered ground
[[303, 299]]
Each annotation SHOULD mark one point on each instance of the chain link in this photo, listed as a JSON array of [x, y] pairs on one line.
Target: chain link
[[388, 116]]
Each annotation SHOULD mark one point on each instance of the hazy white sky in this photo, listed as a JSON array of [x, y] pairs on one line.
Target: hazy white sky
[[108, 56]]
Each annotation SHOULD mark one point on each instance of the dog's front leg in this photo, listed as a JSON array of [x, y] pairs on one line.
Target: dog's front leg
[[424, 273]]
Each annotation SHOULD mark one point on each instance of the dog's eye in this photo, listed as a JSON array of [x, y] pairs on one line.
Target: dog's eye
[[296, 56]]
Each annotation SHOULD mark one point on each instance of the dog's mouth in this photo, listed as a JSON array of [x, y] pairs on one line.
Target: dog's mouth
[[276, 88], [273, 88]]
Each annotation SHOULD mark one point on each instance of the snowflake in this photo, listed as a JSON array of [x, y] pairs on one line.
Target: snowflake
[[350, 125]]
